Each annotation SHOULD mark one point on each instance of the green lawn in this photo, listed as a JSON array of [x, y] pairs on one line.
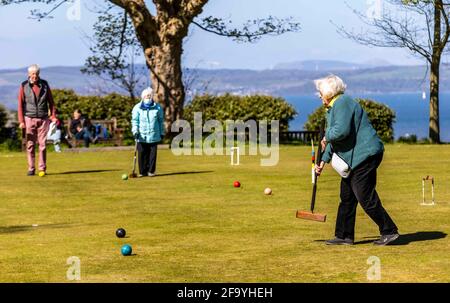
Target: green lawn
[[190, 224]]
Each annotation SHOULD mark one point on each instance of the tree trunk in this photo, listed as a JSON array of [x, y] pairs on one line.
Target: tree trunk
[[161, 37], [434, 102], [434, 76], [164, 62]]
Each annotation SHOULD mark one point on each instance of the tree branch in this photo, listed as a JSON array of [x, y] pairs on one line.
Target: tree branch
[[192, 8], [121, 3], [144, 22], [251, 31], [391, 31], [37, 14], [447, 26]]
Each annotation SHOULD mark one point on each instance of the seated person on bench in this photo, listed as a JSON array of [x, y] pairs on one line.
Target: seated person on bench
[[81, 128]]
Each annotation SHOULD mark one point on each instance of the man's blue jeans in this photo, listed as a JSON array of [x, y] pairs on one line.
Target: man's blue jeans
[[85, 135]]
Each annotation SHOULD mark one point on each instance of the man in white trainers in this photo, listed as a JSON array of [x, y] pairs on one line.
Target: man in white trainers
[[35, 111]]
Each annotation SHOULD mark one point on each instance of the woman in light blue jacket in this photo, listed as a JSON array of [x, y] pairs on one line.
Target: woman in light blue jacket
[[148, 129]]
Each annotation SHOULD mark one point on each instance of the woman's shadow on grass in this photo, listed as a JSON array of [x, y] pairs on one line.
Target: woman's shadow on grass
[[411, 237], [115, 170], [25, 228], [184, 173]]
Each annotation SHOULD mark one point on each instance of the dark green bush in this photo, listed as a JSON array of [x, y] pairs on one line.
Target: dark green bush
[[410, 139], [316, 119], [3, 121], [95, 107], [229, 107], [221, 108], [380, 115], [11, 144]]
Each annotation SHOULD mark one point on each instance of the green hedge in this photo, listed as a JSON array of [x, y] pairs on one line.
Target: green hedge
[[95, 107], [222, 108], [3, 121], [230, 107], [380, 115]]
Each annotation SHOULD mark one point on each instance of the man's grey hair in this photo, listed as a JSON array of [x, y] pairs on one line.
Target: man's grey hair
[[146, 92], [34, 68], [330, 86]]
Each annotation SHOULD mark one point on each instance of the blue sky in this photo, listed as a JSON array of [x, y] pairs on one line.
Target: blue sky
[[60, 41]]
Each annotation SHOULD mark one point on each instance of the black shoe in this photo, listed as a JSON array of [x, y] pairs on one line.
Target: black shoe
[[30, 173], [386, 239], [339, 241]]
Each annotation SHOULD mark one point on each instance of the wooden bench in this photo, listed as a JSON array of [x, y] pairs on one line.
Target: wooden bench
[[109, 133], [114, 134]]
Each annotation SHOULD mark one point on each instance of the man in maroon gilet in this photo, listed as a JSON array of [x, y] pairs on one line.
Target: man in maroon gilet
[[34, 109]]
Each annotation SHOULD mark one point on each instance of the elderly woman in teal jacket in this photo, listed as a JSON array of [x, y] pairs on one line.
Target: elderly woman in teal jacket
[[351, 137], [148, 130]]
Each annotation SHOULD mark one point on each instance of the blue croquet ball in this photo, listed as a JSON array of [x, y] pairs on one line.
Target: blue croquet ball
[[126, 250]]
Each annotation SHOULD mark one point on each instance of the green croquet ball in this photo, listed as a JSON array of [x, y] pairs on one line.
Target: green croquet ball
[[124, 177], [126, 250]]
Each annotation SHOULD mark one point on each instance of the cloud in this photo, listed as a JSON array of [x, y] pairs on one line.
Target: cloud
[[213, 64]]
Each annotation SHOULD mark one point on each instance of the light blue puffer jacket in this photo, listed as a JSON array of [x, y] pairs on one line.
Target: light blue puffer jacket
[[149, 123]]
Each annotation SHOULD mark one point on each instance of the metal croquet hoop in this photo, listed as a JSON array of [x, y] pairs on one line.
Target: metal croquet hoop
[[233, 150], [431, 179]]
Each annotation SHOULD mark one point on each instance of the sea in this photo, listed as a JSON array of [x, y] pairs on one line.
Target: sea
[[412, 112]]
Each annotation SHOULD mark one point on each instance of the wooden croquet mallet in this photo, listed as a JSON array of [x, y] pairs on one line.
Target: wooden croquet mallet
[[310, 215]]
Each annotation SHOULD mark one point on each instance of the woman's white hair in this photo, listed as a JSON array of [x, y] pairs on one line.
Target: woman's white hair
[[330, 86], [34, 68], [147, 91]]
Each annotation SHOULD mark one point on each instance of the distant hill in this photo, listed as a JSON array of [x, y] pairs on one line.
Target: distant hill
[[326, 65], [389, 79], [281, 82], [58, 77]]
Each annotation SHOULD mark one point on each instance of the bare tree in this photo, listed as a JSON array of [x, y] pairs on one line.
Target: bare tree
[[161, 35], [422, 27]]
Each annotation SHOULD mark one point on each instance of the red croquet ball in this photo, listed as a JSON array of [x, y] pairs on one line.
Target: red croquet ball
[[236, 184]]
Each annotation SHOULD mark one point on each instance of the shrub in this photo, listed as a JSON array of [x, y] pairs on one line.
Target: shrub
[[11, 140], [96, 107], [221, 108], [316, 119], [407, 138], [11, 144], [3, 121], [230, 107], [380, 115]]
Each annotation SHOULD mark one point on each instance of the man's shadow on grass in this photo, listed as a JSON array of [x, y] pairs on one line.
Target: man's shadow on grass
[[25, 228], [84, 172], [409, 238]]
